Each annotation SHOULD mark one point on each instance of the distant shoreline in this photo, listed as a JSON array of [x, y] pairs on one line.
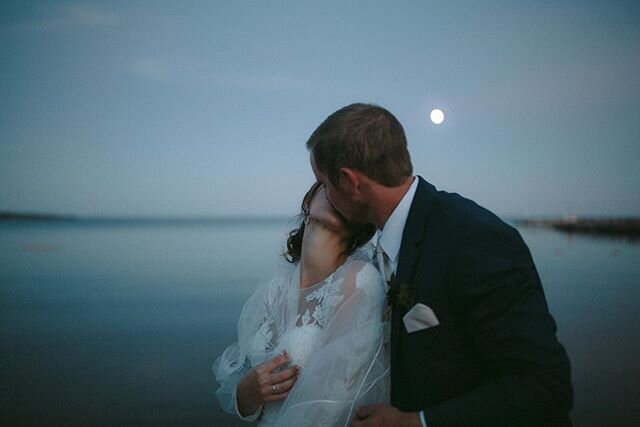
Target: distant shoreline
[[7, 217], [11, 216], [628, 227]]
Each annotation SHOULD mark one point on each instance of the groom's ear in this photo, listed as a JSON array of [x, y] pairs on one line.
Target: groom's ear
[[349, 181]]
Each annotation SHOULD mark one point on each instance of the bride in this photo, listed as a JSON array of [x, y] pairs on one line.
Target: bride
[[310, 341]]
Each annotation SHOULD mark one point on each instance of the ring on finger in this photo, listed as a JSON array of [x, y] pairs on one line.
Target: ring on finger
[[274, 389]]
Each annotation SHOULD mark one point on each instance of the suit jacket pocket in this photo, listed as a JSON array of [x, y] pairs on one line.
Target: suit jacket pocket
[[424, 339]]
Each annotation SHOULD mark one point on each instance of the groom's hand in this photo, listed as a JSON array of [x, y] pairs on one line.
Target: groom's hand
[[384, 415]]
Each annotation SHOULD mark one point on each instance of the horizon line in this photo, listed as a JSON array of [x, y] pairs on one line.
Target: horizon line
[[45, 216]]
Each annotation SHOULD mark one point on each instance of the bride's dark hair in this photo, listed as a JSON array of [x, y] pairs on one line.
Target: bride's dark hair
[[360, 234]]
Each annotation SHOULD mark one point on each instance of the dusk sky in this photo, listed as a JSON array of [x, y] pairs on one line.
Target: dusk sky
[[203, 107]]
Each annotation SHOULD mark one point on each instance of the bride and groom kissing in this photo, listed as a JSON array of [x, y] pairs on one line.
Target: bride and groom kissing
[[443, 322]]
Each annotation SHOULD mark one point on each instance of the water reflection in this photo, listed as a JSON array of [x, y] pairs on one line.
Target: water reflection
[[121, 324]]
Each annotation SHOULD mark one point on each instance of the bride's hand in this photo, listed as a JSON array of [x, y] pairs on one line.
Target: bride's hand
[[261, 385]]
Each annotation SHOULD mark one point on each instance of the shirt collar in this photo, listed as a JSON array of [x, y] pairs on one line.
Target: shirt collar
[[390, 237]]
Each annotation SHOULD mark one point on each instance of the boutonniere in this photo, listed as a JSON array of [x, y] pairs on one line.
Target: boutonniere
[[400, 295]]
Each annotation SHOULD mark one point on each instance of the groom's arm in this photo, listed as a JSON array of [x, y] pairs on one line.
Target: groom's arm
[[386, 415], [512, 332]]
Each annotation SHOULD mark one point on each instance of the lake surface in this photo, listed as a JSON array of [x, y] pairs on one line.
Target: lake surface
[[108, 323]]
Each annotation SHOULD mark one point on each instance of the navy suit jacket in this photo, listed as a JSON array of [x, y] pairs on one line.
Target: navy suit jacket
[[494, 359]]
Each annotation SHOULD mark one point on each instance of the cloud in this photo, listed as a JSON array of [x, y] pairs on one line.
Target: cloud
[[575, 84], [203, 74], [70, 17], [154, 69], [565, 86], [89, 15], [260, 82]]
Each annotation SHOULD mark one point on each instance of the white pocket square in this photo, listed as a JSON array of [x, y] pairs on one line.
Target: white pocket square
[[420, 317]]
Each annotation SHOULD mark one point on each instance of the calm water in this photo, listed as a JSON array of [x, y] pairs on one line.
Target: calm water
[[106, 323]]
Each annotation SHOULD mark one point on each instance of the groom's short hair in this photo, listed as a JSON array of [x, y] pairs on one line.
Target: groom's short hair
[[364, 137]]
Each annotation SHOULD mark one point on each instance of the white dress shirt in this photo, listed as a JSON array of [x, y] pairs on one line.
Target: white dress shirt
[[390, 237]]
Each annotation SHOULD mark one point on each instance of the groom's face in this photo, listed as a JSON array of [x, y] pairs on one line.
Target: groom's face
[[337, 197]]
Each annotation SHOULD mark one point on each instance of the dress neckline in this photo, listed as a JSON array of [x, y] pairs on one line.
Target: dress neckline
[[366, 250], [317, 284]]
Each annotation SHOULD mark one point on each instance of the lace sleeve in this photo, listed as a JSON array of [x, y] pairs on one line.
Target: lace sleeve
[[349, 366], [260, 319], [229, 369]]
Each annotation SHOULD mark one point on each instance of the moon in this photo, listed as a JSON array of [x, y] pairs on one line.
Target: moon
[[437, 116]]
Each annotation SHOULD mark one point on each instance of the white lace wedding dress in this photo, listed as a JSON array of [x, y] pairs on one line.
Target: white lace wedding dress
[[333, 330]]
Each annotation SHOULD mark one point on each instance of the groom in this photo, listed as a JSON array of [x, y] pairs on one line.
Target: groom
[[472, 340]]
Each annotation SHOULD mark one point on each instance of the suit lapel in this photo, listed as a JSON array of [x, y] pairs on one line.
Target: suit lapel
[[412, 236], [414, 229]]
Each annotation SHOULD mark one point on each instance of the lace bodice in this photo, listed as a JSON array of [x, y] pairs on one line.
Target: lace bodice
[[317, 300], [332, 330]]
